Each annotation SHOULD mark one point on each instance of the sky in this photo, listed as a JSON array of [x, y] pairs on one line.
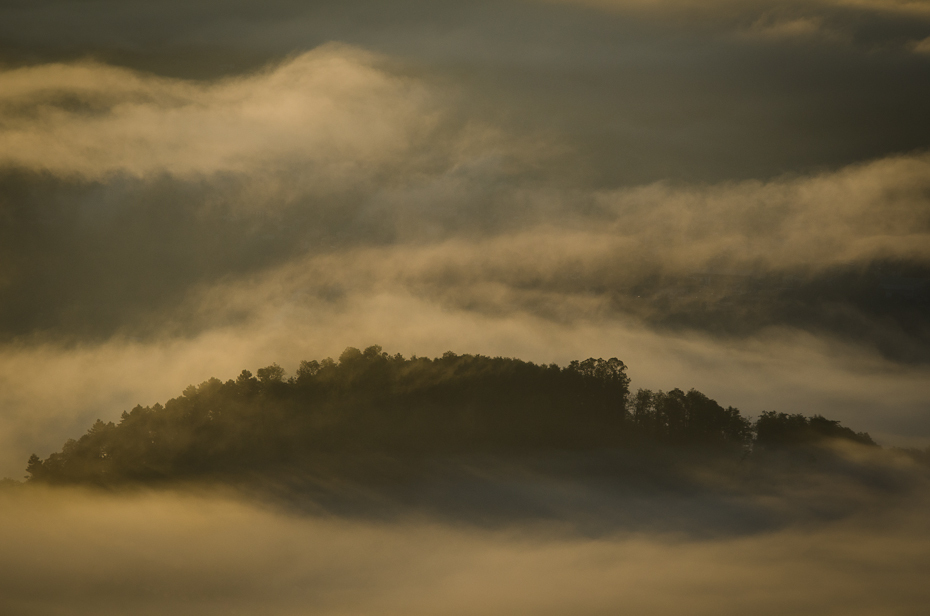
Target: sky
[[730, 196]]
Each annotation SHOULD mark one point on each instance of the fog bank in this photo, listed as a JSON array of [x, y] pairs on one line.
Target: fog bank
[[68, 552]]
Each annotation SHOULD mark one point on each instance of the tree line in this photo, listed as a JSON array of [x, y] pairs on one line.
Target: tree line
[[369, 401]]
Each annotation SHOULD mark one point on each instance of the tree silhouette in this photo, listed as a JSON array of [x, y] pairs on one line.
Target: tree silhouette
[[369, 402]]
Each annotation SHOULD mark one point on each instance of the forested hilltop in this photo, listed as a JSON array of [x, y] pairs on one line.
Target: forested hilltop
[[372, 402]]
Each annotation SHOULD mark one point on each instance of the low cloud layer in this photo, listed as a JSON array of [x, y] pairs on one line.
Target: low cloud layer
[[76, 553]]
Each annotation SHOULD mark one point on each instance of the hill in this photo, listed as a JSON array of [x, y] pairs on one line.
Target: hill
[[372, 403]]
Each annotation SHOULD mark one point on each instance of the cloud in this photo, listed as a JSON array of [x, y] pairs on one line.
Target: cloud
[[922, 47], [574, 256], [337, 121], [864, 211], [67, 551], [907, 7], [792, 28], [666, 95], [867, 24], [919, 8], [325, 117]]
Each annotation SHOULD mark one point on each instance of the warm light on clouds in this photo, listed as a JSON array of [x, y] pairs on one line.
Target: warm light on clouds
[[726, 195], [88, 553], [330, 113], [802, 27], [447, 237]]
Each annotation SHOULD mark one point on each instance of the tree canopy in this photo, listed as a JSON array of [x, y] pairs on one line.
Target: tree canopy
[[370, 401]]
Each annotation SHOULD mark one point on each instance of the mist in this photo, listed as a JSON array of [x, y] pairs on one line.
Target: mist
[[730, 197], [72, 551]]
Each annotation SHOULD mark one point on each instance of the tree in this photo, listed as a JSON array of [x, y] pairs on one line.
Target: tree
[[270, 374], [781, 429], [35, 467]]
